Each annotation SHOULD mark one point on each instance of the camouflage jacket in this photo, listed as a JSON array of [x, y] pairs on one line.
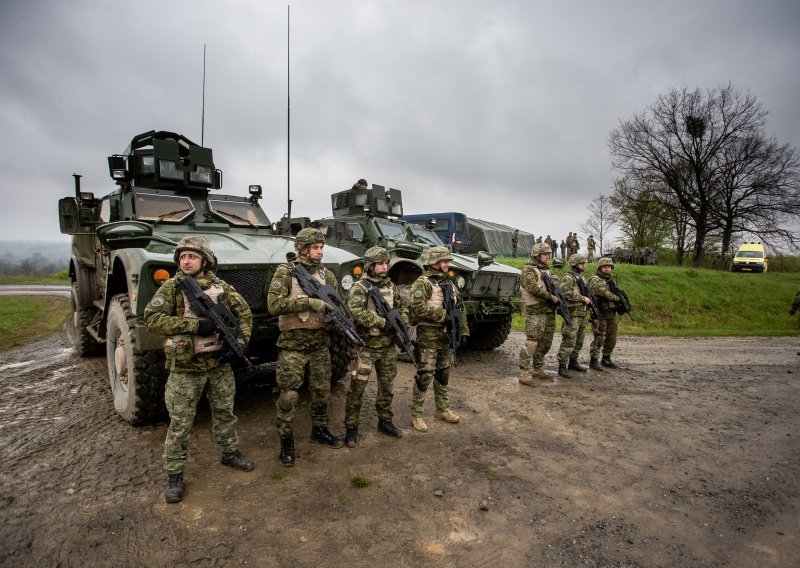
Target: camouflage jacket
[[366, 318], [571, 291], [421, 293], [606, 299], [529, 281], [165, 314], [279, 303]]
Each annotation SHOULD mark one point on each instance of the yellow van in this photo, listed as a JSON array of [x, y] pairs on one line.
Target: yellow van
[[751, 257]]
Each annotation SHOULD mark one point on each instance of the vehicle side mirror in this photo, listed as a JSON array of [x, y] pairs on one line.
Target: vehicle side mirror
[[69, 212], [485, 258], [129, 234]]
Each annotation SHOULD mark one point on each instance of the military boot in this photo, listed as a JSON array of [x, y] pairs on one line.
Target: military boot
[[321, 435], [236, 460], [540, 377], [385, 426], [575, 366], [562, 370], [287, 451], [173, 490], [447, 416], [525, 378], [607, 362], [595, 364], [351, 437], [419, 424]]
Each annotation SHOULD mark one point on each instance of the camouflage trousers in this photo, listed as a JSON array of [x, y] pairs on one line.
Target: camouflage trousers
[[290, 375], [539, 330], [605, 335], [384, 361], [182, 393], [572, 335], [434, 359]]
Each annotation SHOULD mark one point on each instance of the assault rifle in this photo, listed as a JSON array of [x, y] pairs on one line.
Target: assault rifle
[[336, 311], [624, 304], [392, 316], [553, 289], [589, 294], [226, 326], [452, 318]]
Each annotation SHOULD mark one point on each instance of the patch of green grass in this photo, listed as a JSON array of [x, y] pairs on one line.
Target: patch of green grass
[[277, 476], [491, 475], [24, 319], [360, 482], [57, 278], [676, 301]]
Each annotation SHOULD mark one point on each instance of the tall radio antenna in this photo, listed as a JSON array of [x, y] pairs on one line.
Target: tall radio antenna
[[288, 122], [203, 116]]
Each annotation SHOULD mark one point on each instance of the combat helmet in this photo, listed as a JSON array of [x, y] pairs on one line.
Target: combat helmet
[[605, 261], [576, 259], [307, 237], [375, 255], [196, 244], [435, 254], [541, 248]]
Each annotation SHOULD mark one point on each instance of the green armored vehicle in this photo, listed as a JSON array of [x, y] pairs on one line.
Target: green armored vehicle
[[122, 251], [363, 218]]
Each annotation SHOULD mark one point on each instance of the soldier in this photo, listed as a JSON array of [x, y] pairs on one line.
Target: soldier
[[563, 248], [303, 341], [514, 242], [540, 318], [193, 351], [572, 335], [551, 243], [435, 356], [605, 327], [539, 239], [572, 244], [379, 352], [360, 185], [590, 248]]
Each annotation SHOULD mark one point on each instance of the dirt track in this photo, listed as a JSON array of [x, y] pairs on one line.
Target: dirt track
[[687, 456]]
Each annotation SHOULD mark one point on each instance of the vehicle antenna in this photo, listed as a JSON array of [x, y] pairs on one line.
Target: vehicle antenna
[[203, 116], [288, 123]]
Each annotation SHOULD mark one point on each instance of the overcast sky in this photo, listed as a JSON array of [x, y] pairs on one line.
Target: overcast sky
[[501, 110]]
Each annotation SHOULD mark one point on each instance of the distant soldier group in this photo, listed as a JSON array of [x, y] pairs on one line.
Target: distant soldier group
[[306, 298]]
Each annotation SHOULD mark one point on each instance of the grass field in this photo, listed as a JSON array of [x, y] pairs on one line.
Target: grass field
[[676, 301], [24, 319]]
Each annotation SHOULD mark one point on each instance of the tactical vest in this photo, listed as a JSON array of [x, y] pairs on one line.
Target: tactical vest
[[530, 299], [211, 343], [435, 301], [604, 304], [303, 320], [575, 289], [387, 293]]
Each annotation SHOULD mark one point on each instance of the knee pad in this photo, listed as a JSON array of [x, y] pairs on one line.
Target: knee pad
[[442, 376], [530, 347], [287, 400], [423, 380]]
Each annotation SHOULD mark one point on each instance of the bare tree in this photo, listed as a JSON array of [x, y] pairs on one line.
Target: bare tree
[[644, 218], [680, 141], [602, 218]]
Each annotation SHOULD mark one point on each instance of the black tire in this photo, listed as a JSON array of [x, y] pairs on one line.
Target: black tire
[[342, 352], [486, 336], [82, 317], [137, 377]]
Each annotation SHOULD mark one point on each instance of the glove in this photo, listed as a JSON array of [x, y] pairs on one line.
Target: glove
[[317, 305], [615, 298], [205, 328]]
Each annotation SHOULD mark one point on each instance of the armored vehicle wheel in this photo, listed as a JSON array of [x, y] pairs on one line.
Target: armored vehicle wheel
[[485, 336], [341, 355], [82, 317], [137, 377]]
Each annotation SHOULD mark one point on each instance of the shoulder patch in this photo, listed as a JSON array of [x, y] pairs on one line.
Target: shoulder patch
[[157, 301]]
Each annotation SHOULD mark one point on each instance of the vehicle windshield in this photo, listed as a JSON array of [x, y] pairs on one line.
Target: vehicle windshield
[[392, 230], [425, 235], [163, 208], [750, 254], [243, 213]]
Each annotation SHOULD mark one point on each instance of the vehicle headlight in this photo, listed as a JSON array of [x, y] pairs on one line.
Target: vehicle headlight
[[460, 282], [347, 282]]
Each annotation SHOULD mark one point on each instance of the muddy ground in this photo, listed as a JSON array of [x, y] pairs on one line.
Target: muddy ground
[[689, 455]]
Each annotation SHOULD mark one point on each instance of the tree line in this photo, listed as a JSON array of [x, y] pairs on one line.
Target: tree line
[[697, 172], [35, 265]]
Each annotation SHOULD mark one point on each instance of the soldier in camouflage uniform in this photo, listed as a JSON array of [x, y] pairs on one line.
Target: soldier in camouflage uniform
[[590, 248], [303, 341], [379, 351], [434, 356], [193, 352], [540, 318], [605, 327], [572, 334]]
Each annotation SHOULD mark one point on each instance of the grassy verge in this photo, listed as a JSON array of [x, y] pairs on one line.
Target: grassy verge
[[676, 301], [57, 278], [25, 319]]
